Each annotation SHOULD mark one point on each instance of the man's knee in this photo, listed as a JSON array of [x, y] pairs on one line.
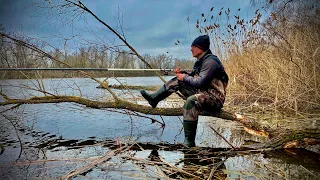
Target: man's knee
[[208, 103], [172, 85], [190, 102]]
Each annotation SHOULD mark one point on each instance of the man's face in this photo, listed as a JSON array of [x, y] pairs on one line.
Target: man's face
[[196, 52]]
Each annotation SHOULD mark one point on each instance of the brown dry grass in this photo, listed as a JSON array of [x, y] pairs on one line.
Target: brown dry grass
[[275, 61]]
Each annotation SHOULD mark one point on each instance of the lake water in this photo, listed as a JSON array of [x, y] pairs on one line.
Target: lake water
[[58, 138]]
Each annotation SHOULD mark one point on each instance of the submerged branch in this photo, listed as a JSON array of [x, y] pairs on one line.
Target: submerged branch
[[84, 169]]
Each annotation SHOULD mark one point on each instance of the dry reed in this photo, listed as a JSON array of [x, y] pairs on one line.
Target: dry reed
[[273, 58]]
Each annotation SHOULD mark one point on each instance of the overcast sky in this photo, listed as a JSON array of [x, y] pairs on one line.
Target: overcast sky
[[150, 26]]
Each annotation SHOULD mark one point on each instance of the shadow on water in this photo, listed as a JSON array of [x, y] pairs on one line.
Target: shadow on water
[[59, 138]]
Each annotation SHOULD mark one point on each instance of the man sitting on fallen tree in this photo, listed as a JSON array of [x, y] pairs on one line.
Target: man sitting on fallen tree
[[204, 88]]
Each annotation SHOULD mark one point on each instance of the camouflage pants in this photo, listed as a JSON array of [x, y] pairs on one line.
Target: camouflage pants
[[196, 100]]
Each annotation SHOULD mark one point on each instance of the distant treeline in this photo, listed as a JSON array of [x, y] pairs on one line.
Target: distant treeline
[[17, 56], [38, 74]]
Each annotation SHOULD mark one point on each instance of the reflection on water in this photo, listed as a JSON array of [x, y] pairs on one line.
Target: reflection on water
[[58, 138]]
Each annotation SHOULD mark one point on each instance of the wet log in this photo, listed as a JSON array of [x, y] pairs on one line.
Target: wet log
[[120, 104], [251, 126], [289, 139], [278, 138]]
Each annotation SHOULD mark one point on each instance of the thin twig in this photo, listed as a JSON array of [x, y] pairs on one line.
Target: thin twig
[[4, 95], [135, 114], [16, 130], [83, 7], [163, 123], [222, 137], [310, 172], [36, 49], [93, 164], [214, 169], [11, 108], [178, 169]]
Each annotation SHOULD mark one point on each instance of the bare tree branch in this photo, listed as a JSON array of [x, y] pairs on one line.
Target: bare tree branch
[[83, 7], [34, 48]]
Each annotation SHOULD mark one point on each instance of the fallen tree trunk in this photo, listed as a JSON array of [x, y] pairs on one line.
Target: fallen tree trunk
[[279, 138], [120, 104]]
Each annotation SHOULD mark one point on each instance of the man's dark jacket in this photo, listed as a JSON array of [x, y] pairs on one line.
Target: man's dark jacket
[[208, 74]]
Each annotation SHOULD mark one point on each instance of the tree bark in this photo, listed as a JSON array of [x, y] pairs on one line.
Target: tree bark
[[120, 104], [278, 138]]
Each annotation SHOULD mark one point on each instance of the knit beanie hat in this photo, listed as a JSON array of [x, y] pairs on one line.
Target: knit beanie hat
[[202, 42]]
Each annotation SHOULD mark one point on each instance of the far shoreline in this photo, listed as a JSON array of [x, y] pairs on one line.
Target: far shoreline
[[40, 74]]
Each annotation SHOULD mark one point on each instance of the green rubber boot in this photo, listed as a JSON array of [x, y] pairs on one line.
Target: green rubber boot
[[156, 97], [190, 131]]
